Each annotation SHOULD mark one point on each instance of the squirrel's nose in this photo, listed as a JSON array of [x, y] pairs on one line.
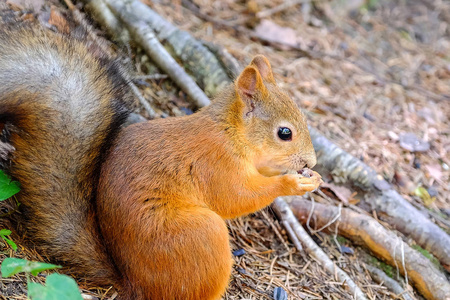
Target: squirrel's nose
[[311, 160]]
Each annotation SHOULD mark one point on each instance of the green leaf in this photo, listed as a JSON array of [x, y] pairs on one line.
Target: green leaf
[[423, 194], [10, 242], [57, 287], [36, 291], [36, 267], [12, 266], [5, 232], [8, 188]]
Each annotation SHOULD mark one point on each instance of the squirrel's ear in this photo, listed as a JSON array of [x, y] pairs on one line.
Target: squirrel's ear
[[249, 83], [263, 66]]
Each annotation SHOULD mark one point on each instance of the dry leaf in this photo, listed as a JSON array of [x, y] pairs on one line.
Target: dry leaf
[[271, 31], [434, 171], [343, 193], [423, 194]]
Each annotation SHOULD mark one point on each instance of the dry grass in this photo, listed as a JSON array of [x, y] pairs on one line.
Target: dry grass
[[382, 72]]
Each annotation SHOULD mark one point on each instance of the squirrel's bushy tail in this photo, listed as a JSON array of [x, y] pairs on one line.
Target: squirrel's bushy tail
[[65, 104]]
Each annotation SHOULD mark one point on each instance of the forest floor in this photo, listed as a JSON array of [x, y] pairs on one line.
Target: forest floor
[[377, 84]]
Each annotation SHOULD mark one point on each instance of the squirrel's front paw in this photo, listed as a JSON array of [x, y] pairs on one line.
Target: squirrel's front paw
[[305, 181]]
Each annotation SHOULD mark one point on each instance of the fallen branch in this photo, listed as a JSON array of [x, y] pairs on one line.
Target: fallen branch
[[150, 77], [428, 280], [78, 17], [195, 57], [381, 197], [381, 277], [143, 34], [241, 29], [284, 212], [103, 15], [148, 108], [279, 8], [227, 61], [271, 11], [304, 51], [90, 32], [379, 194], [389, 205]]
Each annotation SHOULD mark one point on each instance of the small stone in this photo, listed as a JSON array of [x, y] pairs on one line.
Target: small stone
[[369, 117], [239, 252], [279, 294], [410, 142], [241, 271], [432, 191], [416, 163], [446, 211], [347, 250], [393, 136], [186, 110]]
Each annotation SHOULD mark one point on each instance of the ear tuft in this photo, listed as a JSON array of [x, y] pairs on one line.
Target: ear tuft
[[249, 82], [263, 66]]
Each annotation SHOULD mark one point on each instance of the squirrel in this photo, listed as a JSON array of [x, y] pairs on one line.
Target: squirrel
[[141, 207]]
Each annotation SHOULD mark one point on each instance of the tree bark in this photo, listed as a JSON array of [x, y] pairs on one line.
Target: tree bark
[[428, 280], [381, 197]]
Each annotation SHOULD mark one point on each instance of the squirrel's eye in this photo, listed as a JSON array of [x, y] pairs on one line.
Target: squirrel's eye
[[285, 133]]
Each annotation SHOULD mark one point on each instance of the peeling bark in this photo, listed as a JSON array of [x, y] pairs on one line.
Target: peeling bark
[[145, 36], [376, 192], [379, 194], [285, 213], [381, 277], [428, 280], [195, 57]]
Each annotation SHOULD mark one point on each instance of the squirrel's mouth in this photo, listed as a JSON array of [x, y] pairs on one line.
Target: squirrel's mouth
[[268, 171], [305, 172]]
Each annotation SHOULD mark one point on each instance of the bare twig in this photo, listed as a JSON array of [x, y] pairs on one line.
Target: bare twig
[[93, 37], [428, 280], [203, 65], [103, 15], [279, 8], [335, 218], [151, 77], [382, 198], [78, 17], [292, 235], [241, 29], [381, 277], [285, 213], [306, 52], [145, 36], [88, 297], [148, 108]]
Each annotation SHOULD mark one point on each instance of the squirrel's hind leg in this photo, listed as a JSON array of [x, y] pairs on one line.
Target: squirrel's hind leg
[[175, 253]]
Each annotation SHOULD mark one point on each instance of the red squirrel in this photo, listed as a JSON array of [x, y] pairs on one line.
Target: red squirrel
[[141, 207]]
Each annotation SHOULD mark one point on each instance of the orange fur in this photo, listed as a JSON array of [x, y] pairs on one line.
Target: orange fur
[[168, 184], [142, 208]]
